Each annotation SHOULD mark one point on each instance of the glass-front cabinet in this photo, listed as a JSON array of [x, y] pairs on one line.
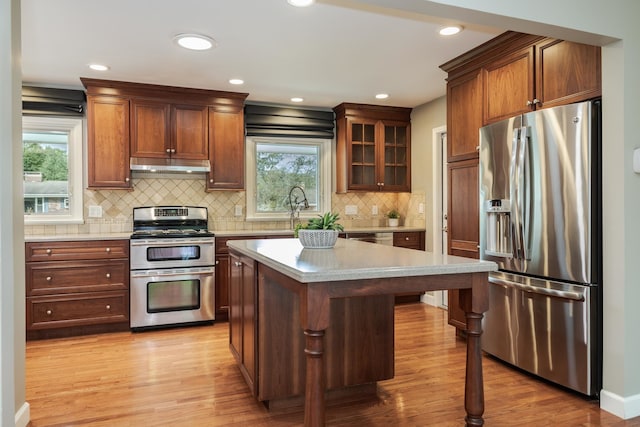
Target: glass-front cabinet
[[373, 148]]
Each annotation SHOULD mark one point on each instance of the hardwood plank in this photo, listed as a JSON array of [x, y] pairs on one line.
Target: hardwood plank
[[188, 377]]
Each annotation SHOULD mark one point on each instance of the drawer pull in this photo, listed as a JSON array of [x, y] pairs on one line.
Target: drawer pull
[[108, 275], [48, 278], [108, 307], [108, 249], [406, 238], [49, 312], [48, 251]]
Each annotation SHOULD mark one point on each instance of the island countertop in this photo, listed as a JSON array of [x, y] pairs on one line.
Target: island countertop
[[353, 260]]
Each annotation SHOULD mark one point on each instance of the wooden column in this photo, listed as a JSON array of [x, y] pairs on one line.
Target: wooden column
[[314, 406]]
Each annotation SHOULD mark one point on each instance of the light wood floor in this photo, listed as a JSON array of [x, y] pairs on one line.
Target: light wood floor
[[187, 377]]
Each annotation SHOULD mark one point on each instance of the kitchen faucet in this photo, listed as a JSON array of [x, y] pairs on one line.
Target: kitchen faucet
[[296, 203]]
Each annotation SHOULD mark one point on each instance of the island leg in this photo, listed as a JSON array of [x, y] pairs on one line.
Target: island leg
[[474, 392], [314, 406]]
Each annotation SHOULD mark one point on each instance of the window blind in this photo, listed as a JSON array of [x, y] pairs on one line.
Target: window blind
[[41, 101], [274, 121]]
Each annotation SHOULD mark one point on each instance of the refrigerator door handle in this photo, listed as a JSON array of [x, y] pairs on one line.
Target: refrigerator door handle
[[523, 187], [576, 296], [513, 194]]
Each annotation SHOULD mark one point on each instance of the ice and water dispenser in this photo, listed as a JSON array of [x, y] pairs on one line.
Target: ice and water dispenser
[[498, 228]]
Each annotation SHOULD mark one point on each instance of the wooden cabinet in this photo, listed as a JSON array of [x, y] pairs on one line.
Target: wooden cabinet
[[464, 116], [547, 74], [267, 340], [151, 121], [108, 142], [164, 130], [512, 74], [223, 271], [242, 316], [226, 148], [75, 287], [410, 240], [373, 148]]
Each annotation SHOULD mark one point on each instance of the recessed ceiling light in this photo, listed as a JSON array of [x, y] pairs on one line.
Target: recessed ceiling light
[[297, 99], [195, 41], [382, 96], [300, 3], [236, 81], [98, 67], [449, 31]]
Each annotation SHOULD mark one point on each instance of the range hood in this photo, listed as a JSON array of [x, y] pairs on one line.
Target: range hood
[[150, 164]]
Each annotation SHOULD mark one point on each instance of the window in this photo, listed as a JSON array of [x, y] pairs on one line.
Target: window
[[52, 170], [282, 173]]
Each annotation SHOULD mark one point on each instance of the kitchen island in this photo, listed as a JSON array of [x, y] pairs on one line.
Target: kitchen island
[[318, 279]]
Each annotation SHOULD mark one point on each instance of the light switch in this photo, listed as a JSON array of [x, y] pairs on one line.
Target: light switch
[[421, 208], [95, 211], [238, 210], [351, 210], [374, 210], [636, 160]]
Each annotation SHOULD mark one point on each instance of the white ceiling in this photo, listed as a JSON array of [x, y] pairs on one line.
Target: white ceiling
[[329, 53]]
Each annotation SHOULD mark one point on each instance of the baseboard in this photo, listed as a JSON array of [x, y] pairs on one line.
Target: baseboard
[[23, 416], [622, 407], [429, 298]]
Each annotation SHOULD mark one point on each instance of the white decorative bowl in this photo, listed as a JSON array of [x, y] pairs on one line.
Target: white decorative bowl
[[318, 239]]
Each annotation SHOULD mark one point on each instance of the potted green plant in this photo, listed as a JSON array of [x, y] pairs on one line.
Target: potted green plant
[[393, 218], [320, 232]]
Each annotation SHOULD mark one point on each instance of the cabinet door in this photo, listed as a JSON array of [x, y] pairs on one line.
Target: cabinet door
[[222, 287], [249, 332], [108, 142], [235, 307], [509, 86], [226, 150], [361, 155], [149, 129], [189, 132], [394, 163], [567, 72], [464, 116], [463, 215]]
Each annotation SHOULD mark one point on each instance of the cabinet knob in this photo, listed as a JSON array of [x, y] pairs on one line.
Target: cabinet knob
[[126, 179], [406, 238], [237, 264], [211, 180], [536, 101], [108, 275], [173, 150], [477, 148], [108, 249], [48, 251], [48, 278], [49, 312], [168, 150], [108, 307]]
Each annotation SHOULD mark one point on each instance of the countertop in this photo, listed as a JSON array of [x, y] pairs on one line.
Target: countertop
[[352, 260], [218, 233]]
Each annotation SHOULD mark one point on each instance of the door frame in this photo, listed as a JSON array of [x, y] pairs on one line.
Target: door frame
[[437, 298]]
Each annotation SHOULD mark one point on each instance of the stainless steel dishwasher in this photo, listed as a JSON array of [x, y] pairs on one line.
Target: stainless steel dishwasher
[[382, 238]]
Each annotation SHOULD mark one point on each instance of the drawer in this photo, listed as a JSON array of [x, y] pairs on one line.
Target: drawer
[[77, 310], [62, 277], [411, 240], [221, 242], [76, 250]]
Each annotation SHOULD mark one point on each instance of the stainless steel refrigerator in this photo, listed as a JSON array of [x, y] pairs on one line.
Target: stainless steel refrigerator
[[540, 220]]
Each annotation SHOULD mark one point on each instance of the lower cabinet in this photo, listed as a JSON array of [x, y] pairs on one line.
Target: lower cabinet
[[76, 287], [267, 340], [410, 240]]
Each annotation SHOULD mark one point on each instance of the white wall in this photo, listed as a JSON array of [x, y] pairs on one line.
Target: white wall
[[13, 410], [595, 22]]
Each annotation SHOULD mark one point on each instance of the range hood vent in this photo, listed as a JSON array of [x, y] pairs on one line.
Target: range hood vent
[[147, 164]]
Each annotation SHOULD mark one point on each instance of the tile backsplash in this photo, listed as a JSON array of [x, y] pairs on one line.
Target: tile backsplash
[[117, 207]]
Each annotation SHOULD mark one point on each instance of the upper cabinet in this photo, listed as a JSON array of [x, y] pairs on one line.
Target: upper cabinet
[[139, 120], [108, 142], [163, 130], [464, 116], [373, 148], [549, 73]]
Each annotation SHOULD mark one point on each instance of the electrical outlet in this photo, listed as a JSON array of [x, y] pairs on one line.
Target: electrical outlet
[[421, 208], [351, 210], [374, 210], [95, 211], [238, 210]]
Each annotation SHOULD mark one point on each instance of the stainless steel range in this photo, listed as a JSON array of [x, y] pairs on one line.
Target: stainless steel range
[[172, 256]]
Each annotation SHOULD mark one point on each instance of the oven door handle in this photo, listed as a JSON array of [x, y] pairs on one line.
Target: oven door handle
[[173, 272], [171, 242]]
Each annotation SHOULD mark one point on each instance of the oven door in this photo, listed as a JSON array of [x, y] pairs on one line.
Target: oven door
[[146, 254], [172, 296]]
